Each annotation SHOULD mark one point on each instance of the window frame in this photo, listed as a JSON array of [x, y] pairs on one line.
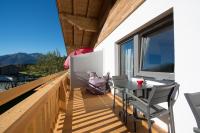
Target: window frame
[[154, 23], [159, 25]]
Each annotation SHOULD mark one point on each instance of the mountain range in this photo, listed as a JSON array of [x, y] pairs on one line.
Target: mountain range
[[19, 59]]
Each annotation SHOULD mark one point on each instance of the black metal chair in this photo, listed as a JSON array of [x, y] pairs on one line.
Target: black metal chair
[[122, 79], [193, 100], [150, 108]]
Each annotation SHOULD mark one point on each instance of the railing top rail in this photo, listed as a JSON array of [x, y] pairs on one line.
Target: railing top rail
[[23, 111], [11, 94]]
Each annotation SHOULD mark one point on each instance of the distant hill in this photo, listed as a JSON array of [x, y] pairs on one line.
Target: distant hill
[[19, 59]]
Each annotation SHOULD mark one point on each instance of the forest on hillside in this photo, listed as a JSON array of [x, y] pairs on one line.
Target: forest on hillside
[[50, 63]]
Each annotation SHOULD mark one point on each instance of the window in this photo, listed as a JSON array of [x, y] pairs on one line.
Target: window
[[149, 50], [126, 58], [158, 50], [154, 50]]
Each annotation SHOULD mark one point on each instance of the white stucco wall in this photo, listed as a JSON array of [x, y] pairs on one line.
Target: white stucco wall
[[187, 32]]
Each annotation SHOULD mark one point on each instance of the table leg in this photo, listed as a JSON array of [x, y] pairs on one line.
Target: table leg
[[114, 100], [134, 120], [123, 111], [126, 108]]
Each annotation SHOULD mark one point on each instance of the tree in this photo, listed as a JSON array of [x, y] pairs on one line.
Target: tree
[[50, 63]]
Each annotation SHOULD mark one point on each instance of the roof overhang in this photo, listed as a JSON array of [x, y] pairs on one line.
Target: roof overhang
[[85, 23]]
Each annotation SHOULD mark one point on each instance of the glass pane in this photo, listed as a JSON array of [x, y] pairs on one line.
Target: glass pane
[[158, 51], [127, 58]]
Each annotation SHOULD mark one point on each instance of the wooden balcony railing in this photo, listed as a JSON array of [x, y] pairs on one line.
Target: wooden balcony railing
[[39, 111]]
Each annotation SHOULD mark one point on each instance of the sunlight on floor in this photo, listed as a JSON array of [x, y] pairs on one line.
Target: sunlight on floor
[[89, 113], [93, 113], [96, 120]]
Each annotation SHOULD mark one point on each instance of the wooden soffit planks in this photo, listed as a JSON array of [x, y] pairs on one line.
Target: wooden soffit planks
[[119, 12], [80, 21]]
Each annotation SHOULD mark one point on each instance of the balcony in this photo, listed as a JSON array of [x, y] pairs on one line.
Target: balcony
[[53, 107]]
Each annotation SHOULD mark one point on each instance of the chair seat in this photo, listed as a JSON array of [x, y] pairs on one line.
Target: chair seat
[[155, 110]]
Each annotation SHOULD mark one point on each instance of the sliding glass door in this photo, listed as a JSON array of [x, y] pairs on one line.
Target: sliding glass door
[[127, 58]]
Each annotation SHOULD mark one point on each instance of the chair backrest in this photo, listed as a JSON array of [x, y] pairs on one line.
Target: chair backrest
[[163, 93], [194, 102], [119, 79]]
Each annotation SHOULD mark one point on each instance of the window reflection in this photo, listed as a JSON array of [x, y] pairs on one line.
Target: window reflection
[[158, 50], [127, 58]]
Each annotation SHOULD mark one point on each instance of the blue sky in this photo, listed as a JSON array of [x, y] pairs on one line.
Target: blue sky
[[30, 26]]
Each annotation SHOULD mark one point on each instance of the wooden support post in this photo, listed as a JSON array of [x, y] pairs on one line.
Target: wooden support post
[[82, 23]]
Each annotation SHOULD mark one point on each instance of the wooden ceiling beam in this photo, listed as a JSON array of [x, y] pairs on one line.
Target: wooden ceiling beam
[[82, 23]]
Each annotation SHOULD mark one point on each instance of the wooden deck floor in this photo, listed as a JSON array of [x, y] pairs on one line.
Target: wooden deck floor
[[85, 112]]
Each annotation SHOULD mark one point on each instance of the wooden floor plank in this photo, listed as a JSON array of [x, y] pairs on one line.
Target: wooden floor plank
[[93, 113]]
